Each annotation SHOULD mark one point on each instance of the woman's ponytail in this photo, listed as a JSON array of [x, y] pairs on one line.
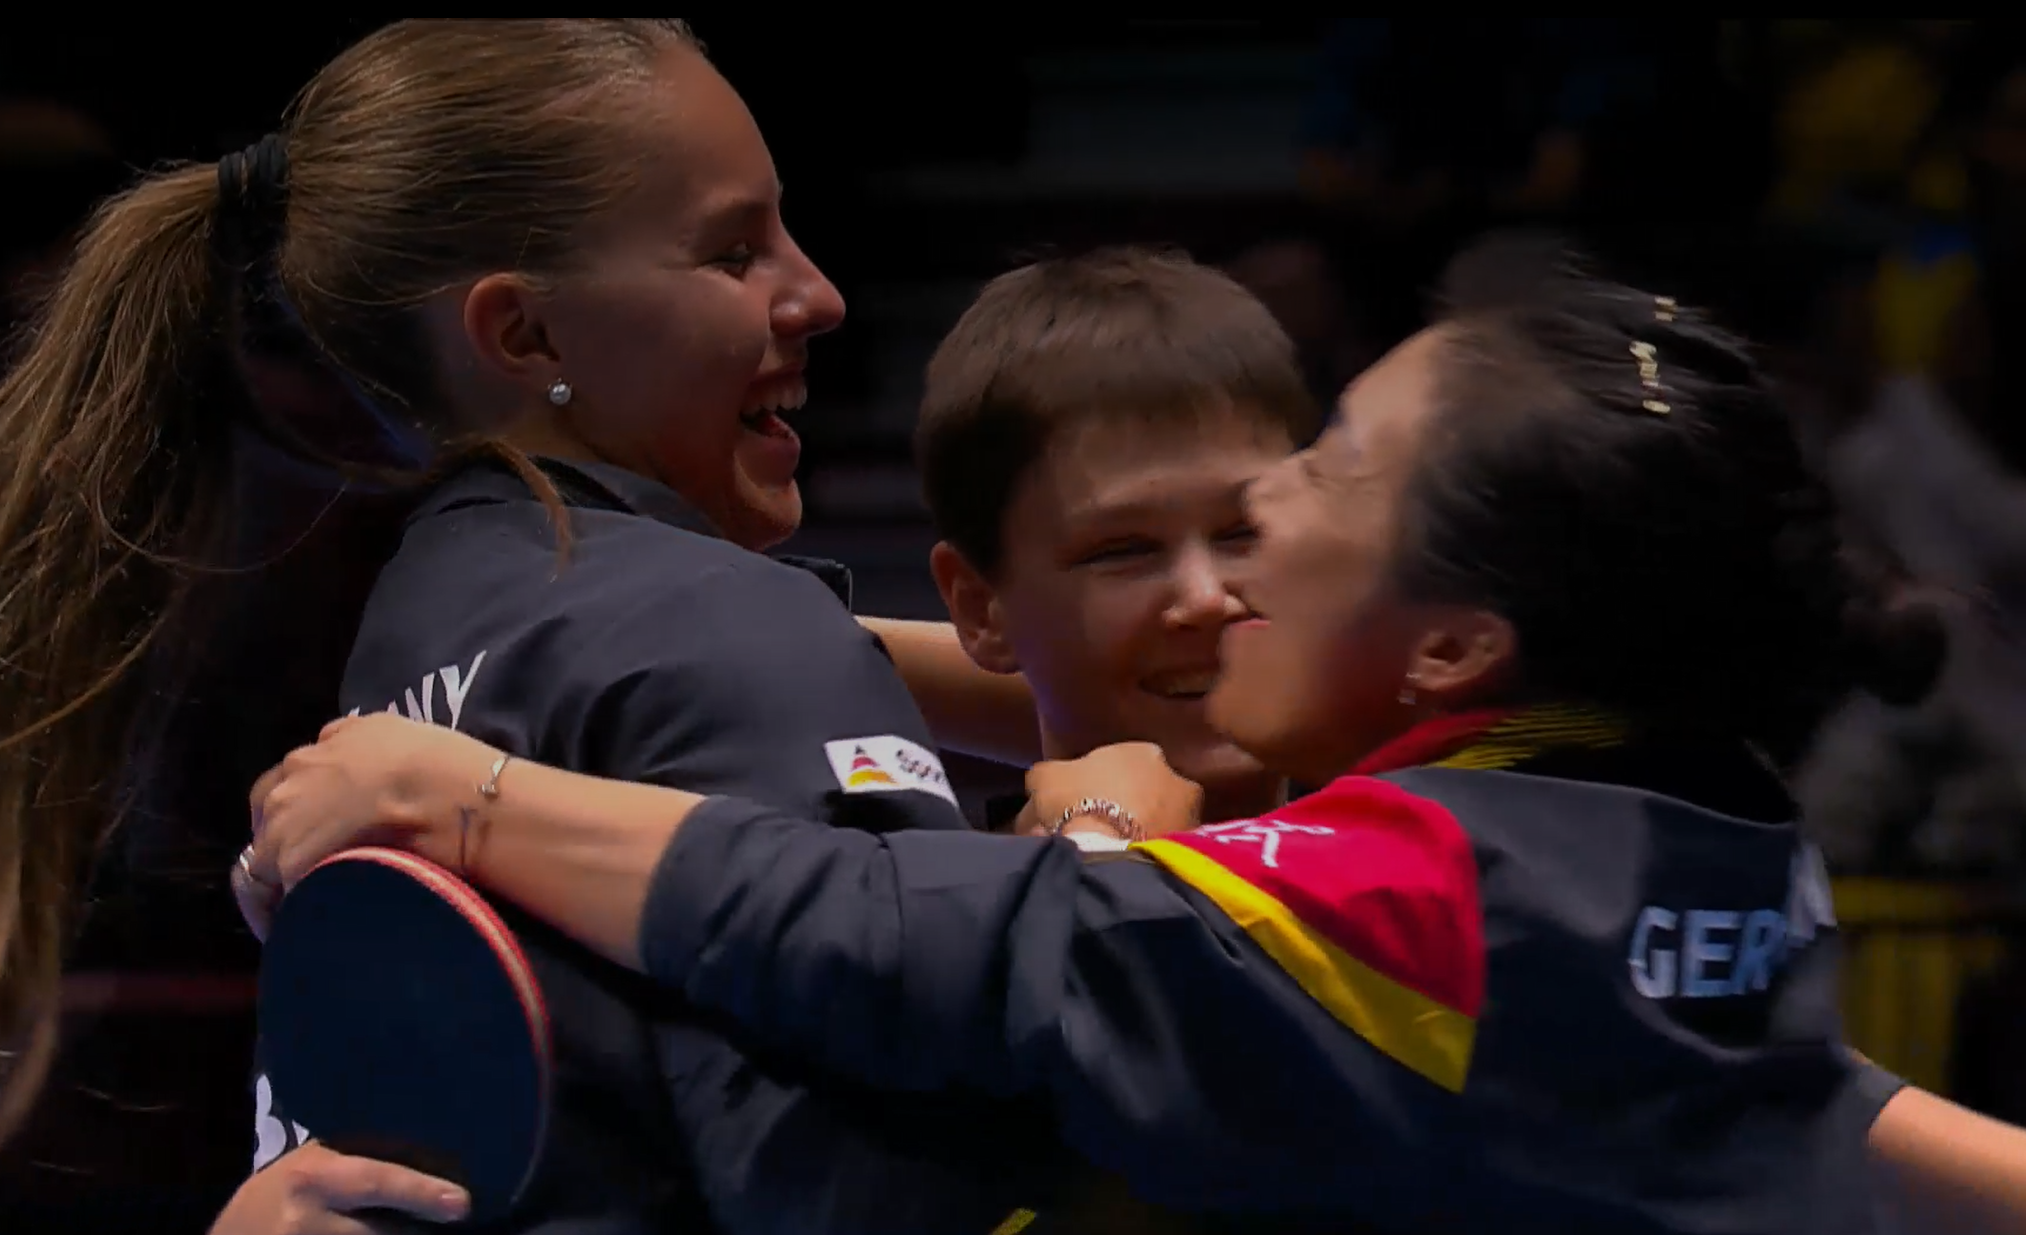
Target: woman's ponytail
[[114, 482]]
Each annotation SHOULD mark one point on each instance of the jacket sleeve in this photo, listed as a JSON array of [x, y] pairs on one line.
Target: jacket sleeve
[[1217, 1017]]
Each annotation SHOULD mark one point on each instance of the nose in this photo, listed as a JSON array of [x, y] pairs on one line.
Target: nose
[[808, 304], [1203, 599]]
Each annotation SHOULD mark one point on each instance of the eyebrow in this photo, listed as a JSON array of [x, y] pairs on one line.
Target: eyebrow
[[741, 208], [1094, 511]]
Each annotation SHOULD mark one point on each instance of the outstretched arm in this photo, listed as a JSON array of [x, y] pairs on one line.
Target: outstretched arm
[[578, 851], [1000, 963], [989, 715], [1947, 1169]]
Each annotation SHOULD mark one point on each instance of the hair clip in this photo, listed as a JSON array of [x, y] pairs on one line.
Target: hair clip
[[1649, 377], [1663, 308]]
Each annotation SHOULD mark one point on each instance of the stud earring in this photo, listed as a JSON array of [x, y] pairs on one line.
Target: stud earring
[[560, 392]]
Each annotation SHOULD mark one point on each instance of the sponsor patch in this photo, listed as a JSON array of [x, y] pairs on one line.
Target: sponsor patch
[[888, 764]]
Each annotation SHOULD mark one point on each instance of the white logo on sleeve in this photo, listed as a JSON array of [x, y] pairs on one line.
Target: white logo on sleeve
[[455, 684], [887, 765], [273, 1136]]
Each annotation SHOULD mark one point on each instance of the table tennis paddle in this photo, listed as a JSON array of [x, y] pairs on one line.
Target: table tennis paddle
[[400, 1020]]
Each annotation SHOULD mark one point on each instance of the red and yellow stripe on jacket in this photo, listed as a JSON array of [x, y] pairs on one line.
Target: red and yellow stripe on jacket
[[1367, 895]]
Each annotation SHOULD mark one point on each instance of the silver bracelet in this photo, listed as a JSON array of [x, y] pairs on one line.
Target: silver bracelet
[[489, 788], [1115, 817]]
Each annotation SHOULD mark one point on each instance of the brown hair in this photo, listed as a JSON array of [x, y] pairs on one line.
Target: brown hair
[[434, 151], [1117, 333]]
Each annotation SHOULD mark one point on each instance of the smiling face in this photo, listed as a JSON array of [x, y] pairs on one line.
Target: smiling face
[[683, 326], [1112, 592], [1315, 680]]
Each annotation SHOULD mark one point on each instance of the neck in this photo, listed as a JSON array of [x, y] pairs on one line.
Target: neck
[[546, 436]]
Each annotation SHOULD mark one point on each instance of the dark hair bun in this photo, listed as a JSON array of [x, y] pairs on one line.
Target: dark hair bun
[[1898, 647]]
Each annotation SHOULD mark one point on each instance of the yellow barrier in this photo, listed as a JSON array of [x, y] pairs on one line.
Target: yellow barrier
[[1910, 950]]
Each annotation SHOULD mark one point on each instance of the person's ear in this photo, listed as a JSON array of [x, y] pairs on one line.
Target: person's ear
[[1462, 656], [504, 328], [974, 609]]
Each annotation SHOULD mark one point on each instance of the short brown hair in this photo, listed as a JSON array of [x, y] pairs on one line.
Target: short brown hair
[[434, 151], [1117, 333]]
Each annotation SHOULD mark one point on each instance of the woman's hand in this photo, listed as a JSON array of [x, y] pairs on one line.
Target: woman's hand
[[577, 851], [1132, 775], [315, 1191], [369, 780]]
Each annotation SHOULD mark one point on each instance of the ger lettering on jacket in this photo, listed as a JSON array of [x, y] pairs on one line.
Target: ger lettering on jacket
[[1707, 953]]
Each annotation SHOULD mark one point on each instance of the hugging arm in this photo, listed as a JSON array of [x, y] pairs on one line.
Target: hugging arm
[[1120, 992], [1113, 987]]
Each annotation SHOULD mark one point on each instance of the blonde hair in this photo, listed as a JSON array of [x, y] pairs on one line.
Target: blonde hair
[[434, 151]]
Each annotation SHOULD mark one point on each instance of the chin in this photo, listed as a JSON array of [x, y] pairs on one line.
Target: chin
[[1207, 755], [1254, 728], [1236, 786], [765, 518], [1225, 709], [1220, 762]]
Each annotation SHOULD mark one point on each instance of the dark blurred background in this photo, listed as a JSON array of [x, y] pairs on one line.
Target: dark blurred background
[[1853, 194]]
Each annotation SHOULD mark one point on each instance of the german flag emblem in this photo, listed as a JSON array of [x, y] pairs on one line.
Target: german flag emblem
[[866, 772]]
